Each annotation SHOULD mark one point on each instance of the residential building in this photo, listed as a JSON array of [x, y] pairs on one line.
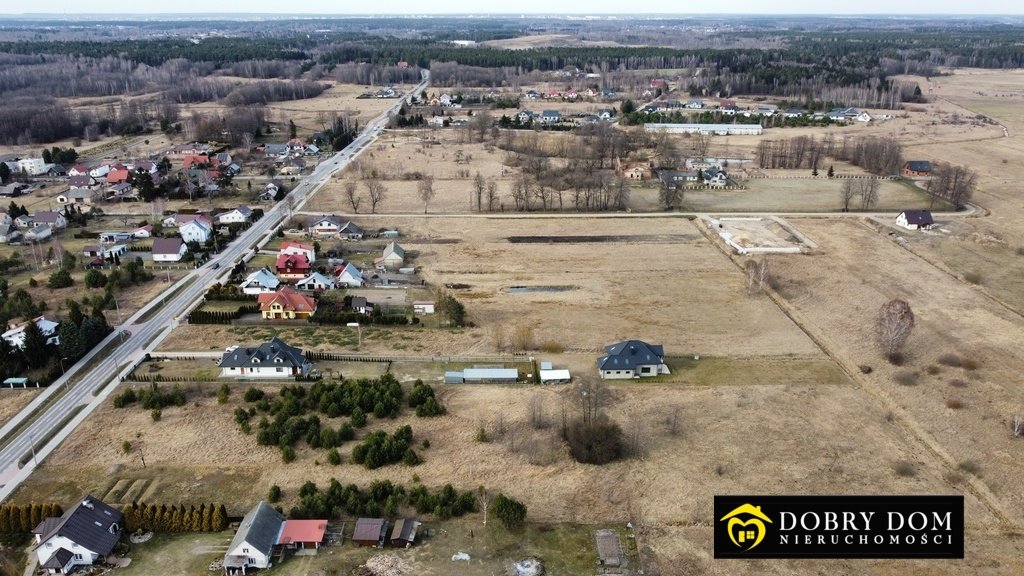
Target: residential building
[[261, 281], [237, 216], [169, 249], [348, 275], [632, 359], [350, 231], [252, 547], [298, 248], [361, 305], [393, 256], [176, 220], [197, 230], [315, 282], [550, 116], [292, 267], [917, 168], [84, 196], [82, 181], [55, 220], [915, 219], [286, 304], [16, 336], [273, 359], [84, 534], [302, 534], [325, 226]]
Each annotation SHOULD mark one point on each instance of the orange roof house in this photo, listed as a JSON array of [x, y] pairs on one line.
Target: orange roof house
[[286, 304], [302, 533]]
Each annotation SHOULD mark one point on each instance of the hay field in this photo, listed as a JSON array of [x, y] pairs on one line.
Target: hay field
[[837, 292]]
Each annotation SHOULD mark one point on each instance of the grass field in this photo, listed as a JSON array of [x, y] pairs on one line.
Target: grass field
[[12, 400]]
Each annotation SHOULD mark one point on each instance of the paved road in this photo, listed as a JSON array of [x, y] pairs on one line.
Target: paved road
[[140, 334]]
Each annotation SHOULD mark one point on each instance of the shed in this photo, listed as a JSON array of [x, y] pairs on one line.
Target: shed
[[480, 375], [404, 533], [370, 531], [554, 376], [453, 378], [302, 533]]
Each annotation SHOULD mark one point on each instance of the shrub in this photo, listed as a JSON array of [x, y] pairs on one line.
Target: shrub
[[481, 435], [60, 279], [253, 395], [426, 444], [288, 454], [422, 398], [552, 347], [595, 442], [954, 404], [904, 469], [1020, 251], [223, 393], [358, 418], [895, 358], [951, 360], [511, 512], [973, 277], [906, 378], [864, 369], [969, 364], [126, 446], [156, 415], [333, 457], [378, 449], [933, 370], [275, 494], [125, 398], [970, 467], [958, 383]]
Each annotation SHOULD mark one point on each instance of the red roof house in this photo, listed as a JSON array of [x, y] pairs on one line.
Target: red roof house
[[191, 161], [118, 175], [292, 267], [302, 533], [286, 304]]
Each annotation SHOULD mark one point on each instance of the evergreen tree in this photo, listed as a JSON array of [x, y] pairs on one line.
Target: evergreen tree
[[5, 519], [220, 519], [151, 514], [831, 172], [75, 313], [197, 518], [5, 174], [37, 352], [37, 515], [25, 518], [208, 519]]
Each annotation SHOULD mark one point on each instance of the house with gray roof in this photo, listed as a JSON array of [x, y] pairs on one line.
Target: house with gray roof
[[632, 359], [253, 545], [273, 359], [84, 534], [351, 231]]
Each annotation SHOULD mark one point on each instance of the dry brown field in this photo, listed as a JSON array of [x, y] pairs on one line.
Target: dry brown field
[[12, 400]]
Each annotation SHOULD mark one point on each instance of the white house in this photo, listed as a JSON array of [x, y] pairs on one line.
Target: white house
[[84, 534], [100, 171], [239, 215], [32, 166], [863, 117], [273, 359], [55, 220], [315, 282], [196, 231], [169, 249], [915, 220], [261, 281], [325, 226], [293, 248], [348, 275], [632, 359], [16, 336], [38, 233], [253, 544]]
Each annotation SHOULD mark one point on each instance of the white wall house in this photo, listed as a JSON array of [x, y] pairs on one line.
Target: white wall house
[[350, 276], [261, 281], [632, 359], [273, 359], [239, 215], [291, 247], [84, 534], [195, 231], [253, 544], [915, 220], [169, 249], [16, 336]]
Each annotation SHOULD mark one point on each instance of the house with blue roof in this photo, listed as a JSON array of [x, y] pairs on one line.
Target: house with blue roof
[[632, 359]]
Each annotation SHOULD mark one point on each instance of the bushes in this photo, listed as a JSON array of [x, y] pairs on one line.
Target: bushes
[[906, 378], [60, 279], [423, 400], [378, 449], [596, 442], [954, 404], [152, 399], [951, 360], [275, 494], [511, 512], [904, 469], [381, 498], [253, 394]]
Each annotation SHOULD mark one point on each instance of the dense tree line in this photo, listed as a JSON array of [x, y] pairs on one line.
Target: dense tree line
[[878, 155], [218, 51], [151, 398], [23, 518], [381, 498], [174, 518]]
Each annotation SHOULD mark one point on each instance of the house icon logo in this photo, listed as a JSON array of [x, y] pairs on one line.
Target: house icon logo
[[746, 526]]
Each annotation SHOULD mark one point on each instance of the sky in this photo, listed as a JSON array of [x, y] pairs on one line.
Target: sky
[[410, 7]]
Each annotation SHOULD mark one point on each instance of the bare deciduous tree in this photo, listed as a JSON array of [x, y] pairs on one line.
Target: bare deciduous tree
[[492, 195], [846, 194], [375, 192], [479, 186], [672, 421], [522, 337], [758, 274], [353, 196], [868, 193], [425, 189], [535, 412], [893, 325], [498, 338]]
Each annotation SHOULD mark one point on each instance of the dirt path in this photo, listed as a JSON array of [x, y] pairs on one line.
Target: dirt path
[[912, 429]]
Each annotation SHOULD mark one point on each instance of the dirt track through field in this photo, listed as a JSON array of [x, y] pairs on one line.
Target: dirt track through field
[[910, 426]]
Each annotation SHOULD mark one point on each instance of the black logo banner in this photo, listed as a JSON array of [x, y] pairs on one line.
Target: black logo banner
[[839, 526]]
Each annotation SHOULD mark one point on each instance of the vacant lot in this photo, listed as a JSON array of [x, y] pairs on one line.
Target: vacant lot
[[965, 412], [13, 400], [800, 195]]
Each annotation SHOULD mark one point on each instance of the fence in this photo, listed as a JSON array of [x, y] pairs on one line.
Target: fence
[[331, 356], [758, 176]]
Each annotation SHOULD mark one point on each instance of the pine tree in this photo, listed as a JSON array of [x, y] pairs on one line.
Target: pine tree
[[128, 517], [25, 519], [5, 519], [175, 523], [151, 514], [37, 514], [197, 518], [37, 352], [208, 519], [220, 519]]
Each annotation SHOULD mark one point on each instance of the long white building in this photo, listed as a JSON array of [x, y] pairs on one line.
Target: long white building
[[717, 129]]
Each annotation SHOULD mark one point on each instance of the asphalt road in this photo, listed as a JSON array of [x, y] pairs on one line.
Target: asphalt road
[[140, 336]]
